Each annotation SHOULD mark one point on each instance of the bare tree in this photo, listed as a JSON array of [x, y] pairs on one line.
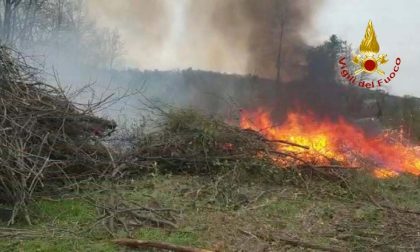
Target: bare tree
[[9, 19], [282, 21], [60, 29], [114, 48]]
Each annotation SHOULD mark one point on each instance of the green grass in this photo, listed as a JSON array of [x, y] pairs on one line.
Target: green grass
[[286, 210], [318, 211], [64, 211], [367, 213]]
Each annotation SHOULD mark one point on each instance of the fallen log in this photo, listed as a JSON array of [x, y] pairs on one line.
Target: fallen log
[[138, 244]]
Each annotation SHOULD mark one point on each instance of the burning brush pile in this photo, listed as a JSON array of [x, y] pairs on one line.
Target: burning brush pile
[[43, 135], [341, 143], [192, 143], [189, 142]]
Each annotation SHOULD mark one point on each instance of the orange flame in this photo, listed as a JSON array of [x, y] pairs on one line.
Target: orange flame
[[339, 141]]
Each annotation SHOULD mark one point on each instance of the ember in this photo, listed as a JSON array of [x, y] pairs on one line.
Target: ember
[[338, 141]]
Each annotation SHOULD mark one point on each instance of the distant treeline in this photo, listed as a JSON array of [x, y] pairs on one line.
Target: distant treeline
[[226, 94]]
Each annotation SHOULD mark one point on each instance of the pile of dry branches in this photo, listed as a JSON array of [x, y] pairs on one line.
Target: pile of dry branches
[[189, 142], [43, 135]]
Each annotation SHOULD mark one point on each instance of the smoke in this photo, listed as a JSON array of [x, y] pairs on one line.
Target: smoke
[[234, 36], [240, 36], [237, 36], [273, 27]]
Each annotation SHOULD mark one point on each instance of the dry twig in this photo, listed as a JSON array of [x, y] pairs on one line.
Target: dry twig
[[157, 245]]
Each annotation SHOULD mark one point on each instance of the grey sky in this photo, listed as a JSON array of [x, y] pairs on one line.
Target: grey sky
[[395, 22]]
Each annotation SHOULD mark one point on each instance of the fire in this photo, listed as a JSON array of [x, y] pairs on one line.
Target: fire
[[337, 141], [384, 173]]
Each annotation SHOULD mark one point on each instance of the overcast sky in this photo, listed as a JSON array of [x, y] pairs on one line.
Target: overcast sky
[[396, 24]]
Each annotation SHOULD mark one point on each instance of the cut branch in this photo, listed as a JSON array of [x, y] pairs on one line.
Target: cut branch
[[138, 244]]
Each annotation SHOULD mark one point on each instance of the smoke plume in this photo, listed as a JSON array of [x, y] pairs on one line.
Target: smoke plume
[[240, 36]]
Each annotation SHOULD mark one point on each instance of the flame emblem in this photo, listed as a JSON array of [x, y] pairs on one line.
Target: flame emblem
[[369, 60]]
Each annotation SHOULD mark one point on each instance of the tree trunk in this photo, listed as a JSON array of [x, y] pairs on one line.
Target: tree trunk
[[7, 16], [279, 54], [9, 19]]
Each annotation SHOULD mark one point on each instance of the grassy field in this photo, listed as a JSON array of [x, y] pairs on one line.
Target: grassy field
[[359, 213]]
